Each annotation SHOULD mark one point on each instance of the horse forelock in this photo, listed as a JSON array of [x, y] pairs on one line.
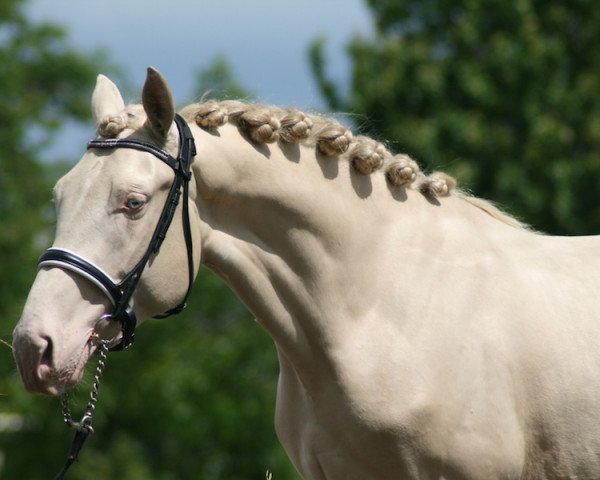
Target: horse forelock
[[132, 119]]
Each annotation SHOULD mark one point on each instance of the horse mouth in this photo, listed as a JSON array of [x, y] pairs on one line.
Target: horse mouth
[[85, 355], [58, 381]]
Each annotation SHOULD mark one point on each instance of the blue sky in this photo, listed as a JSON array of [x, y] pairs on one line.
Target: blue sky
[[264, 41]]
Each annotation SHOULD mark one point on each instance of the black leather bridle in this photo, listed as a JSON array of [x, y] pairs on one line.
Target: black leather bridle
[[120, 293]]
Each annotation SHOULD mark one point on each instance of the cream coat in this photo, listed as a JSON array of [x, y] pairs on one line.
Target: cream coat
[[419, 337]]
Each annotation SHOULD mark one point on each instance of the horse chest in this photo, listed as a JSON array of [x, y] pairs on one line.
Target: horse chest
[[382, 430]]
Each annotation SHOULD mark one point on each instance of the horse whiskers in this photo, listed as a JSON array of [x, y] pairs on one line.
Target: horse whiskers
[[4, 342]]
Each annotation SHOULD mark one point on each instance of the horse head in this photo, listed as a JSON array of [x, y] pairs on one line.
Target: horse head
[[108, 208]]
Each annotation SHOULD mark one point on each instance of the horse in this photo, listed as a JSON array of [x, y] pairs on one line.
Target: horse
[[421, 332]]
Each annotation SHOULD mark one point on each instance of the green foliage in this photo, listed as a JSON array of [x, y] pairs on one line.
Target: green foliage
[[317, 62], [217, 81], [41, 82], [505, 95], [194, 397]]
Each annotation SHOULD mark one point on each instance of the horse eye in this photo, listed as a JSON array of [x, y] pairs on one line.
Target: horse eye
[[134, 203]]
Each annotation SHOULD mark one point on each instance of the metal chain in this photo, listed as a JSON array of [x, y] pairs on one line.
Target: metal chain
[[84, 426], [86, 420]]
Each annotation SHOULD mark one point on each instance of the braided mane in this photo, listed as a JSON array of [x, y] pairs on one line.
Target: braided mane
[[268, 124]]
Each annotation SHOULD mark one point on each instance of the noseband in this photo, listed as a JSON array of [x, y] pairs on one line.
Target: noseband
[[120, 293]]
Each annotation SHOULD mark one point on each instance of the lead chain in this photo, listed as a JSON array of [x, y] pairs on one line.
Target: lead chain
[[86, 420]]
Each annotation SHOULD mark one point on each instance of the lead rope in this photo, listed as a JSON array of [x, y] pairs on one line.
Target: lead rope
[[84, 426]]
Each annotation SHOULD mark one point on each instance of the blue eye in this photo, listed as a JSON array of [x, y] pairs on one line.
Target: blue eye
[[134, 203]]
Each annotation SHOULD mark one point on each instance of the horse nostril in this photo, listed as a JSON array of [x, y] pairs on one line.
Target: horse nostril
[[47, 351]]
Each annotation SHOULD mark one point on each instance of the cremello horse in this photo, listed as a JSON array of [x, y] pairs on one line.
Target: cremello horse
[[421, 333]]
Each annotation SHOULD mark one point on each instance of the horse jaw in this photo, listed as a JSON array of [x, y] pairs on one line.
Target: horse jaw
[[54, 337]]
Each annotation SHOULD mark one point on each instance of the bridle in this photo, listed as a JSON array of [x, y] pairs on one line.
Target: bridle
[[120, 293]]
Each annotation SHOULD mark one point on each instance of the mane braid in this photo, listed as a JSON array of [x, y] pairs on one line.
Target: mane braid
[[268, 124]]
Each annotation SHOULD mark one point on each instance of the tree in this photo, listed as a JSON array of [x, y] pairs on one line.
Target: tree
[[217, 81], [43, 82], [194, 397], [504, 95]]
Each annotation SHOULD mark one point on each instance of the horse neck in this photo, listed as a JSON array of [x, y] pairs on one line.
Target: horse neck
[[308, 244], [276, 198]]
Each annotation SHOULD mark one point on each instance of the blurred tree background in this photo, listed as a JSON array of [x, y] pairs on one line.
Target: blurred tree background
[[504, 95], [195, 398]]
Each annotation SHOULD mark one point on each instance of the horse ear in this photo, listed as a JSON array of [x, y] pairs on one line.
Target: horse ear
[[106, 99], [158, 102]]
